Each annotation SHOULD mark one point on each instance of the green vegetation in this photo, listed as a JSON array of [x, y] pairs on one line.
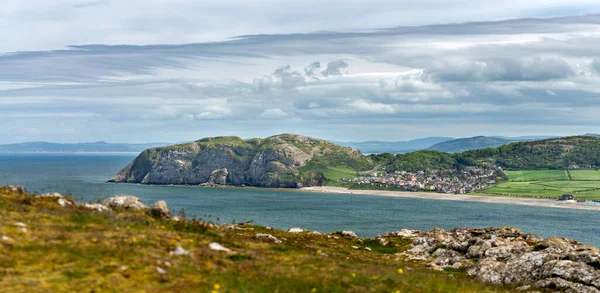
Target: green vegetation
[[584, 184], [555, 154], [69, 249], [423, 160], [550, 154], [536, 175]]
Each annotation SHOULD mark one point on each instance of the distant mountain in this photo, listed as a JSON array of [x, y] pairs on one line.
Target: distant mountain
[[592, 134], [101, 146], [470, 143], [395, 147]]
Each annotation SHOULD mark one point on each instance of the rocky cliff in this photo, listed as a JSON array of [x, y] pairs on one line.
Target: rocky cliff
[[284, 160]]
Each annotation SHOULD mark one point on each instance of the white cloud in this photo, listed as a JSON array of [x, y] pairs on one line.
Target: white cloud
[[493, 73], [274, 113]]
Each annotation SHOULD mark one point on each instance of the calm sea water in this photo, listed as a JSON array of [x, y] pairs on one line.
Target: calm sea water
[[83, 176]]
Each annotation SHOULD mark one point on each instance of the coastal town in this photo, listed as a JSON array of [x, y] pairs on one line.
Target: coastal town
[[444, 181]]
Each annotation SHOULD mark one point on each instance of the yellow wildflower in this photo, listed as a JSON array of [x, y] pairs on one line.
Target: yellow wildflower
[[214, 291], [178, 237], [134, 240], [314, 290], [163, 227], [117, 228], [217, 286], [400, 271], [94, 240], [353, 275], [128, 227], [319, 251]]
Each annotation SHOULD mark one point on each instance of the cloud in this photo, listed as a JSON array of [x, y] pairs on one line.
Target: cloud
[[371, 107], [529, 69], [212, 112], [274, 113], [282, 78], [446, 79], [336, 68], [312, 70], [596, 65]]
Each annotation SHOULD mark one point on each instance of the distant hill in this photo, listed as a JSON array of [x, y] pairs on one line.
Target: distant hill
[[285, 160], [470, 143], [395, 147], [101, 146], [555, 153]]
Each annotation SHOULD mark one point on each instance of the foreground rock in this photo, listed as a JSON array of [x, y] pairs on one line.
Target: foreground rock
[[160, 210], [507, 256], [127, 202], [268, 238], [62, 200]]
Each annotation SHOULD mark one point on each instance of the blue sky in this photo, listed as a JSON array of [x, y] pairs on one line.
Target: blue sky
[[140, 71]]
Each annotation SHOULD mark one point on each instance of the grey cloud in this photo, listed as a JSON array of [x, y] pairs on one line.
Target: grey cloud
[[596, 65], [335, 68], [282, 78], [312, 70], [531, 69]]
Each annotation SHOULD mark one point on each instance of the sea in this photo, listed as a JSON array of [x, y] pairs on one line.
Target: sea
[[84, 176]]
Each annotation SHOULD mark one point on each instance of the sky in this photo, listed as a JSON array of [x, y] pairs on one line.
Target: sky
[[180, 70]]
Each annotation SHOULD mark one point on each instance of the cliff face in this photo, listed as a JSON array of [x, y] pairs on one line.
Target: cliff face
[[279, 161]]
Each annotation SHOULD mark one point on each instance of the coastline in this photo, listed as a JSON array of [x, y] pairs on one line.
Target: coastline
[[457, 197]]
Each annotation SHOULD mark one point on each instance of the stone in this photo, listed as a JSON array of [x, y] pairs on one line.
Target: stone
[[296, 230], [219, 176], [268, 238], [62, 200], [161, 271], [218, 247], [15, 188], [7, 239], [160, 210], [349, 233], [506, 256], [96, 207], [180, 251], [127, 202], [368, 248], [19, 224]]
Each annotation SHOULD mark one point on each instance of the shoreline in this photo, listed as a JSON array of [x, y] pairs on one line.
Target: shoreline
[[535, 202], [457, 197]]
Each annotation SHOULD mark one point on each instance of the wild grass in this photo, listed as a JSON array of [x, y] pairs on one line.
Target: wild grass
[[74, 250]]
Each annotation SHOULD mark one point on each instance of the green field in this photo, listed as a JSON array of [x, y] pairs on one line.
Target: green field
[[337, 173], [583, 184]]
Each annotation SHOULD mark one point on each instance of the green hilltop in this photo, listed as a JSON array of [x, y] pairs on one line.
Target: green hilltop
[[285, 160], [556, 153]]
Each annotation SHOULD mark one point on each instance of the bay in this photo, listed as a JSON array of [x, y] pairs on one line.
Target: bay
[[83, 176]]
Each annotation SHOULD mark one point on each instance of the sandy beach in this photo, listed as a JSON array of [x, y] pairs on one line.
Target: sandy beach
[[459, 197]]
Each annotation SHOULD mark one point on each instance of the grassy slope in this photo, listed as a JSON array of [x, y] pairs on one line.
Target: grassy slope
[[70, 250], [585, 184]]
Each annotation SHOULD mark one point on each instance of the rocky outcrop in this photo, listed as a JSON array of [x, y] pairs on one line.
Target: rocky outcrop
[[507, 256], [126, 202], [279, 161], [160, 210]]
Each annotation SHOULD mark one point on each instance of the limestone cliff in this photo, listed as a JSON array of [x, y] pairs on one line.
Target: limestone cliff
[[284, 160]]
